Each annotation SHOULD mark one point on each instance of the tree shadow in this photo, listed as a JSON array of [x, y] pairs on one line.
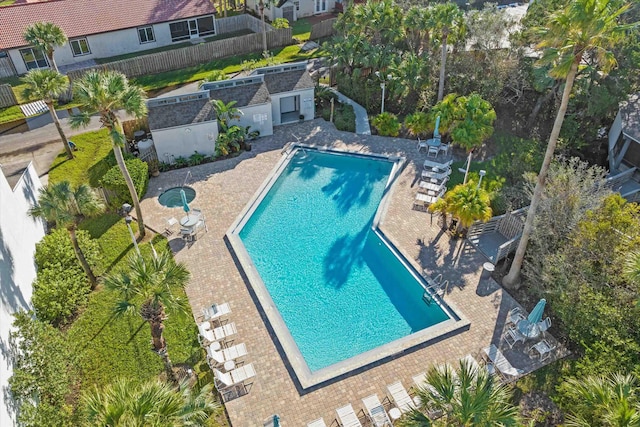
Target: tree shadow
[[344, 255], [349, 189], [11, 295]]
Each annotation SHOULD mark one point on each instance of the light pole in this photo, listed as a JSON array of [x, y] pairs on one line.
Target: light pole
[[383, 85], [126, 212], [482, 174]]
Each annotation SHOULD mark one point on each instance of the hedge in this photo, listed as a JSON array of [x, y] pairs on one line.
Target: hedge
[[113, 181]]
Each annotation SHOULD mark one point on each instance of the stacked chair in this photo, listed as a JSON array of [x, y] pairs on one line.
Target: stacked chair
[[433, 184]]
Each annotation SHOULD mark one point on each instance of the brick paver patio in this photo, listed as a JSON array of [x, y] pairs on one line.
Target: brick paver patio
[[225, 187]]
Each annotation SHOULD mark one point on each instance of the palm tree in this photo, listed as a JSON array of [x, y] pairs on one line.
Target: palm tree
[[149, 287], [125, 403], [417, 124], [47, 85], [45, 36], [225, 112], [261, 6], [60, 204], [585, 29], [613, 401], [467, 203], [449, 19], [468, 396], [106, 92]]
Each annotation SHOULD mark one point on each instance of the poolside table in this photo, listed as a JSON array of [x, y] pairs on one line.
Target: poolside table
[[528, 329], [189, 221]]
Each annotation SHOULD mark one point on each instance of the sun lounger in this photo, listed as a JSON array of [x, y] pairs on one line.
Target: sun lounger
[[235, 352], [348, 417], [216, 311], [437, 174], [234, 377], [500, 362], [376, 411], [430, 164], [400, 397], [225, 331], [317, 423]]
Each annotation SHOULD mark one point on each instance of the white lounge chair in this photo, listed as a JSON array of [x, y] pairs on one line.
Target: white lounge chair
[[376, 411], [430, 165], [235, 377], [500, 363], [317, 423], [216, 355], [431, 186], [225, 331], [348, 417], [400, 397], [235, 352], [437, 174], [216, 311], [205, 332]]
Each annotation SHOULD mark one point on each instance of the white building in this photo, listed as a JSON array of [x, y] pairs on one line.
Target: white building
[[183, 124], [293, 10], [102, 29], [19, 234]]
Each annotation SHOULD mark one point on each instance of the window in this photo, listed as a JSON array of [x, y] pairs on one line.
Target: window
[[80, 47], [34, 58], [184, 30], [297, 3], [145, 34]]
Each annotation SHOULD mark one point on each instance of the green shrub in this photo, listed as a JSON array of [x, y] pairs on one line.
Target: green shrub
[[387, 124], [55, 249], [280, 23], [345, 118], [114, 181]]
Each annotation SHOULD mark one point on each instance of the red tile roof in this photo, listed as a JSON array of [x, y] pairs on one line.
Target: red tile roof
[[84, 17]]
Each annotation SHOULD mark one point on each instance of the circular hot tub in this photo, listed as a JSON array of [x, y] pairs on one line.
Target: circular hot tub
[[171, 198]]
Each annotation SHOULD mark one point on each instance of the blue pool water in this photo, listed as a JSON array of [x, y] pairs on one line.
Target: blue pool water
[[339, 289]]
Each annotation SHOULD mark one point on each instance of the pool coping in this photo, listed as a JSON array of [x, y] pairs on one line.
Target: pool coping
[[301, 372]]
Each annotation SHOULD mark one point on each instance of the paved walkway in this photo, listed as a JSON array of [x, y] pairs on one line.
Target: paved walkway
[[362, 118], [225, 187]]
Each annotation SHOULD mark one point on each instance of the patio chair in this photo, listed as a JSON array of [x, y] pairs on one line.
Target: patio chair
[[348, 417], [433, 150], [225, 331], [500, 363], [445, 148], [170, 223], [544, 326], [216, 356], [422, 144], [400, 397], [512, 336], [515, 315], [437, 174], [187, 233], [376, 411], [543, 348], [205, 332], [216, 311], [317, 423], [235, 352], [235, 377]]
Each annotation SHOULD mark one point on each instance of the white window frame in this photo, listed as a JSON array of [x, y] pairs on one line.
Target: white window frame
[[297, 4], [33, 51], [78, 40], [146, 29], [193, 32]]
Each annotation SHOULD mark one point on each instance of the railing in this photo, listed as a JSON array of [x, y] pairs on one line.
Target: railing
[[615, 182], [506, 248], [509, 225]]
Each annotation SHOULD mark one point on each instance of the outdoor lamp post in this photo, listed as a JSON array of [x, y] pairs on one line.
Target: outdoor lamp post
[[482, 174], [383, 85], [126, 212]]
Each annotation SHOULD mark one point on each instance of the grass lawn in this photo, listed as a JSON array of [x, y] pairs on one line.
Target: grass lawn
[[301, 30], [171, 47], [89, 163], [229, 65], [11, 114], [7, 2]]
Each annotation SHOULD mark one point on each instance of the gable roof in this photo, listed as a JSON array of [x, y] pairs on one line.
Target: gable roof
[[288, 80], [85, 17], [244, 96], [180, 114], [630, 115]]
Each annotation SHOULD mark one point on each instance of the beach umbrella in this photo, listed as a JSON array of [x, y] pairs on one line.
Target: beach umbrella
[[536, 314], [185, 204], [436, 133]]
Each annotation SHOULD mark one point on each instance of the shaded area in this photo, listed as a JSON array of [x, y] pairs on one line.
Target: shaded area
[[10, 293], [351, 189], [344, 255]]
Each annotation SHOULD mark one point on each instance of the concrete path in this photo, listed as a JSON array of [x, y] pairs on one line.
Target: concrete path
[[362, 118]]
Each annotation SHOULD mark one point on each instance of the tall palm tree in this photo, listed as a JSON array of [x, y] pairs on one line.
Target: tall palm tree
[[417, 123], [149, 286], [261, 6], [467, 203], [105, 92], [47, 85], [584, 29], [125, 403], [225, 112], [45, 36], [612, 401], [60, 204], [465, 397], [449, 19]]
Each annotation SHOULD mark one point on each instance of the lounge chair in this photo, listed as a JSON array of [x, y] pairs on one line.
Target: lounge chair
[[235, 352], [348, 417], [430, 165], [512, 336], [225, 331], [235, 377], [400, 397], [376, 411], [216, 311], [205, 332], [216, 356], [500, 363], [317, 423], [515, 315]]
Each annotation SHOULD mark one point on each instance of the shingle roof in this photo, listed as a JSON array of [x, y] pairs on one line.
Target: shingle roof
[[84, 17], [243, 95], [288, 81], [180, 114], [630, 114]]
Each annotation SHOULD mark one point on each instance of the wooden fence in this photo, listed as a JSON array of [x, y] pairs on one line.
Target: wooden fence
[[323, 29], [7, 98], [6, 67], [195, 55]]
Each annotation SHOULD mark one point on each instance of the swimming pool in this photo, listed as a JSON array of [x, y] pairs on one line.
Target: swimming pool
[[340, 289]]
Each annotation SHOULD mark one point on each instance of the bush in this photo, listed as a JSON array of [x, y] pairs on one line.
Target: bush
[[387, 124], [114, 182], [280, 23], [61, 286]]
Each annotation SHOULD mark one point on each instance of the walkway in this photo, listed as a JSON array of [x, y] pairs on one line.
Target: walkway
[[225, 187], [362, 118]]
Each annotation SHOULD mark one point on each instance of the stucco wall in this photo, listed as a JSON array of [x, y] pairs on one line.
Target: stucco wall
[[307, 106], [258, 117], [18, 236], [185, 140]]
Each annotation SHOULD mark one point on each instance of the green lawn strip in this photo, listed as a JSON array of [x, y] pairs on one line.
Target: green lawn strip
[[229, 65], [301, 30], [457, 177], [7, 2], [11, 114], [171, 47], [89, 163]]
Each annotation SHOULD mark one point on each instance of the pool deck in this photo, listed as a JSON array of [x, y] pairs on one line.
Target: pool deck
[[225, 187]]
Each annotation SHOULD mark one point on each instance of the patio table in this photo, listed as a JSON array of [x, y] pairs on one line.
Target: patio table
[[528, 329], [189, 221]]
